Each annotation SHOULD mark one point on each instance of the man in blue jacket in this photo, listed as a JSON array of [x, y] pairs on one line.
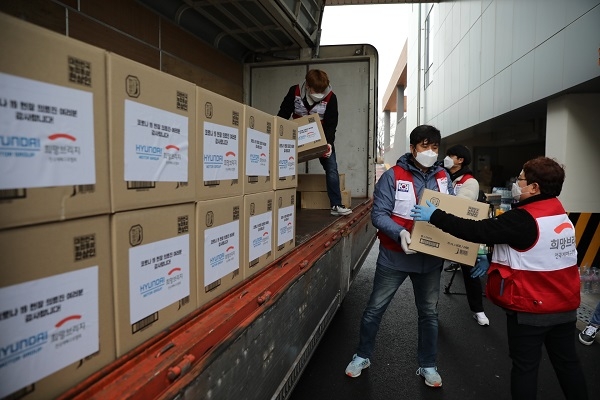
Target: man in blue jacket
[[396, 193]]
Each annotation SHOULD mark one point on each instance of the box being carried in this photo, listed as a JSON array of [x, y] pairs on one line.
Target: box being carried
[[428, 239], [311, 138]]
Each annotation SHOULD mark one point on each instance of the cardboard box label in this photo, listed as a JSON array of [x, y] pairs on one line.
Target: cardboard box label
[[257, 153], [308, 133], [221, 158], [156, 144], [48, 135], [159, 275], [259, 235], [287, 161], [46, 325], [221, 251], [286, 219]]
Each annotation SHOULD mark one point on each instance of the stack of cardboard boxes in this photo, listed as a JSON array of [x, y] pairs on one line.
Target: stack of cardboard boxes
[[129, 198], [313, 191], [57, 318]]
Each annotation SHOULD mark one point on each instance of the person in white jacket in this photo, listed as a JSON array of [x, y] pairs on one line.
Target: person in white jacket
[[458, 158]]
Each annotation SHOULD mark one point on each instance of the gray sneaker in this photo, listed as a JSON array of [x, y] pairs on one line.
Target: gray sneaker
[[432, 378], [356, 366], [340, 210]]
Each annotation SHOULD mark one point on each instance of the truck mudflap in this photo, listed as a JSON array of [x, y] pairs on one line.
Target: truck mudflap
[[254, 342]]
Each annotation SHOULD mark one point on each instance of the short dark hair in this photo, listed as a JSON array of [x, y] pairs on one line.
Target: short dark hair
[[547, 173], [425, 133], [460, 151]]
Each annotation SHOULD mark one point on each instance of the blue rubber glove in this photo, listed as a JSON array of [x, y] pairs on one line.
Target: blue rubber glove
[[481, 266], [423, 213]]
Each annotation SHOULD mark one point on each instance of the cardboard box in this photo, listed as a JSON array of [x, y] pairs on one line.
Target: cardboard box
[[57, 326], [320, 200], [317, 183], [152, 120], [428, 239], [219, 247], [258, 126], [54, 151], [220, 136], [258, 231], [154, 256], [284, 167], [284, 221], [311, 138]]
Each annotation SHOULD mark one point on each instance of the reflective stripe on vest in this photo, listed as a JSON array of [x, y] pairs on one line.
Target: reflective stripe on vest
[[406, 198], [545, 277]]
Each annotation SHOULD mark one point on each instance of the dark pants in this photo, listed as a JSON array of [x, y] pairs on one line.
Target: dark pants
[[525, 349], [473, 289]]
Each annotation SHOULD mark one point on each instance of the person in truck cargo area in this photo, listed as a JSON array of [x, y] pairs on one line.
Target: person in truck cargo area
[[458, 158], [533, 275], [315, 96], [396, 192]]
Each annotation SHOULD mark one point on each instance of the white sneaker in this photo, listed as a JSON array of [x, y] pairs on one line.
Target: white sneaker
[[481, 318], [340, 210], [357, 365]]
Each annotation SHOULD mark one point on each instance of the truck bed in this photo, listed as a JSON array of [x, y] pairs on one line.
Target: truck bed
[[310, 222], [254, 341]]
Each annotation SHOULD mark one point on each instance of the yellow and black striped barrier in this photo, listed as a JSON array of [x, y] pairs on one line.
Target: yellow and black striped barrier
[[587, 236]]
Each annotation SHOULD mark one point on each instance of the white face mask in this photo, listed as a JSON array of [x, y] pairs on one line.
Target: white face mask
[[317, 96], [427, 158], [448, 162], [516, 191]]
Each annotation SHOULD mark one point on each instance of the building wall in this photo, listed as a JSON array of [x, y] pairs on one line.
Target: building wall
[[572, 138], [127, 28], [493, 56]]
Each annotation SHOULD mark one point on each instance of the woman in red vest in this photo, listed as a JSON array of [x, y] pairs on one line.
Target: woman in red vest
[[533, 275]]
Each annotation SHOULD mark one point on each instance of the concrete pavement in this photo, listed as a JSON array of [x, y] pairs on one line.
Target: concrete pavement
[[472, 360]]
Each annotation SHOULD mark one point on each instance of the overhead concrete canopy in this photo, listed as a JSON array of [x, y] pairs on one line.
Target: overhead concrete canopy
[[398, 79]]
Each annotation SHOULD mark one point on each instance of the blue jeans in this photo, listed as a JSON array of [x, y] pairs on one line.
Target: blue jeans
[[332, 179], [426, 288], [596, 316]]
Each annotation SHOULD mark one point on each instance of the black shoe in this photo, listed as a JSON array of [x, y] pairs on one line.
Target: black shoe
[[588, 334], [452, 267]]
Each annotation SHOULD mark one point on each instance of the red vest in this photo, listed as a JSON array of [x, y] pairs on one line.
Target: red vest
[[461, 181], [403, 218], [300, 109], [544, 278]]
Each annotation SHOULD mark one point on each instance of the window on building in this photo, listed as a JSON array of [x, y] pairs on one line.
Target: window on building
[[428, 54]]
